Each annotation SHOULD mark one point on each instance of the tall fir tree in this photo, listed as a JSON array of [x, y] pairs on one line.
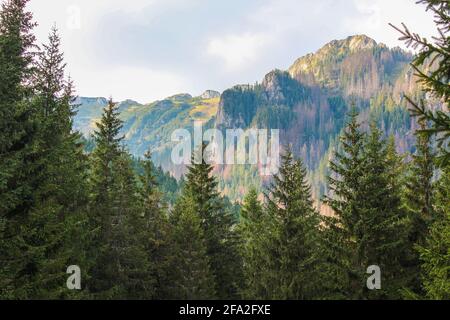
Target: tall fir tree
[[432, 68], [435, 253], [59, 194], [419, 187], [51, 188], [121, 267], [293, 232], [218, 226], [380, 233], [17, 43], [368, 225], [17, 134], [252, 245], [158, 230], [347, 168], [419, 204], [191, 273]]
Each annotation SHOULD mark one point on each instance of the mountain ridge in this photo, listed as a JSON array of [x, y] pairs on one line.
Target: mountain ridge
[[308, 103]]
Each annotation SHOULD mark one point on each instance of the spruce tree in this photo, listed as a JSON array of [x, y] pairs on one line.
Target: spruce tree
[[217, 223], [292, 269], [16, 135], [369, 225], [419, 188], [380, 233], [47, 225], [158, 230], [419, 204], [105, 270], [432, 67], [51, 242], [252, 245], [191, 273], [121, 268], [347, 168], [435, 253]]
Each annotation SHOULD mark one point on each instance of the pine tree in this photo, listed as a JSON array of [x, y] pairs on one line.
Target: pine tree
[[217, 223], [121, 267], [133, 236], [59, 194], [418, 202], [380, 233], [54, 164], [340, 276], [157, 232], [252, 245], [16, 132], [432, 67], [435, 253], [419, 188], [192, 277], [368, 226], [291, 272]]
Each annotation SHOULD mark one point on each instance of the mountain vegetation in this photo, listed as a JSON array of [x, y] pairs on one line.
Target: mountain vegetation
[[362, 185], [308, 104]]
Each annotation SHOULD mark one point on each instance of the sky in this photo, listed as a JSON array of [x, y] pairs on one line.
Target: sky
[[151, 49]]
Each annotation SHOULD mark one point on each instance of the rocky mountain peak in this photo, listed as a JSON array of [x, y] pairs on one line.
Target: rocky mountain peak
[[333, 52], [210, 94], [273, 85], [360, 42]]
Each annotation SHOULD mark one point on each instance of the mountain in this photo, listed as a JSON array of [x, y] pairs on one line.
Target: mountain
[[308, 103], [150, 126]]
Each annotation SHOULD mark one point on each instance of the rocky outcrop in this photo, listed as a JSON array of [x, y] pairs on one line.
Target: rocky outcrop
[[210, 94]]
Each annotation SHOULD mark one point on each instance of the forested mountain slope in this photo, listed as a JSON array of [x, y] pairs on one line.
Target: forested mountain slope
[[308, 103]]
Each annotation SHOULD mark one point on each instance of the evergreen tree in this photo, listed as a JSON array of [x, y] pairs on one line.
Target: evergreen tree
[[192, 276], [435, 253], [252, 244], [17, 129], [418, 202], [121, 267], [53, 225], [293, 226], [292, 271], [158, 231], [368, 224], [347, 168], [217, 223], [432, 67], [380, 233], [55, 167], [419, 188], [279, 247]]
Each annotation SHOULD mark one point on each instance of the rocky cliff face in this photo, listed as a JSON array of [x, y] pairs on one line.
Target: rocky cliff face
[[310, 100], [210, 94], [355, 66]]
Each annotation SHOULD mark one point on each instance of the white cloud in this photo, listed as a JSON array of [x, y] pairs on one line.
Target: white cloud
[[238, 51], [146, 49], [375, 15]]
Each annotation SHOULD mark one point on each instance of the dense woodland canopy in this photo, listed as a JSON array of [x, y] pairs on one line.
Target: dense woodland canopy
[[136, 233]]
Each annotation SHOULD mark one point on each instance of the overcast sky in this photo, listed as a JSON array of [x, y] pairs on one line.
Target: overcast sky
[[150, 49]]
